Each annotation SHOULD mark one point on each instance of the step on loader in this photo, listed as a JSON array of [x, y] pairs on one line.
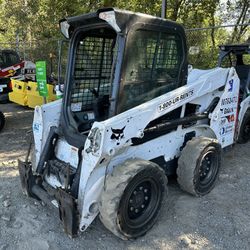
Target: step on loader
[[131, 115]]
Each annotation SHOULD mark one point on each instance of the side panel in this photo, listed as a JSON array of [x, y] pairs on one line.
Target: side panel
[[224, 117], [45, 116]]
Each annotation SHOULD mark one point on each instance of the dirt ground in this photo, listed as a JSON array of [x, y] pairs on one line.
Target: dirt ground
[[220, 220]]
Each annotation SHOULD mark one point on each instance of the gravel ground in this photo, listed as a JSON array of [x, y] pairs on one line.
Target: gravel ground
[[220, 220]]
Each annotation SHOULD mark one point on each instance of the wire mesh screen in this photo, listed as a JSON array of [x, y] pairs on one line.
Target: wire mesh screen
[[92, 73], [169, 57], [203, 42]]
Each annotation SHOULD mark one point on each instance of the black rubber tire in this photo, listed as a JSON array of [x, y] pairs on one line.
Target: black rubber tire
[[244, 134], [198, 165], [119, 189], [2, 120]]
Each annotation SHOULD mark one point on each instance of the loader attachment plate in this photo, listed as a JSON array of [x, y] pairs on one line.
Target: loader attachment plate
[[32, 187], [68, 212], [27, 178]]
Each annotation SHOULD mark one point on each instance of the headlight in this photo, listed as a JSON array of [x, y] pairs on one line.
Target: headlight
[[109, 17], [64, 26]]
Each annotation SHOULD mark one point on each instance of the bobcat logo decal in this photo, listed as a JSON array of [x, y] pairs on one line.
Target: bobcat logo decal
[[117, 134]]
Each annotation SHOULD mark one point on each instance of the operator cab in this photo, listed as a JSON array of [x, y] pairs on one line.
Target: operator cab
[[117, 61], [91, 75], [237, 56]]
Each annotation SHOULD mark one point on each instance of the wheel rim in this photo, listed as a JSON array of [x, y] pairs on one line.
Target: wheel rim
[[141, 203], [208, 170], [139, 200]]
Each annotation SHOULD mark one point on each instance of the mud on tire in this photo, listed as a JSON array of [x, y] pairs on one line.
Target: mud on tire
[[198, 165], [132, 198]]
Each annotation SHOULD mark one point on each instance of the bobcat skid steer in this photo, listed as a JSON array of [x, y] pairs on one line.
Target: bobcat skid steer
[[132, 114]]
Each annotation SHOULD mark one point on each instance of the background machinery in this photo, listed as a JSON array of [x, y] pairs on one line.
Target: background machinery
[[132, 114], [11, 66]]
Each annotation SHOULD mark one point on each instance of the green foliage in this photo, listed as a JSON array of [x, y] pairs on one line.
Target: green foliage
[[35, 22]]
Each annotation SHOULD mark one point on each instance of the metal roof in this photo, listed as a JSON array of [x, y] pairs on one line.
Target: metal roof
[[124, 19]]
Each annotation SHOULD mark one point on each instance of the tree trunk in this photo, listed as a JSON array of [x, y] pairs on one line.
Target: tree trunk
[[176, 8], [239, 30]]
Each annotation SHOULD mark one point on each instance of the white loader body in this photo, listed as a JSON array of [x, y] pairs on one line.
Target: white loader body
[[104, 149]]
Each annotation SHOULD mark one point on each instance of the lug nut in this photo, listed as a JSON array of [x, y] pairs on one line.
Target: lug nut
[[130, 201], [136, 210], [141, 188], [131, 209], [142, 206], [145, 190], [135, 192], [146, 198]]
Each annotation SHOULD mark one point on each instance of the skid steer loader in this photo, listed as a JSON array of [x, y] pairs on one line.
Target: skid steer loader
[[132, 113]]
